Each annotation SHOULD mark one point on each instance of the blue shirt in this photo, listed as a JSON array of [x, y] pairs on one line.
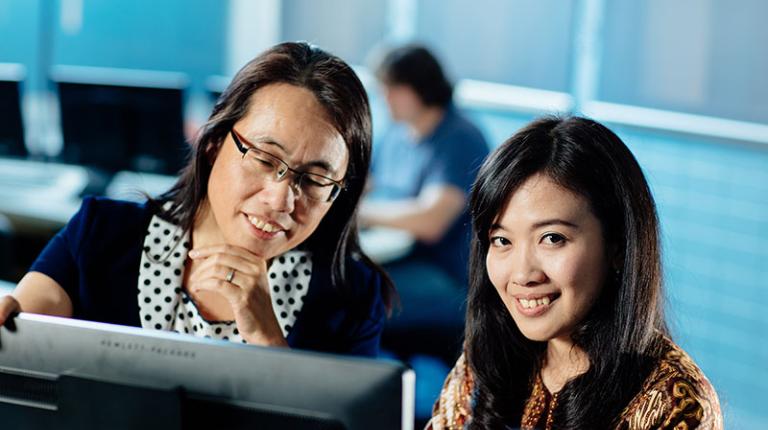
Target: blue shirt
[[96, 259], [451, 155]]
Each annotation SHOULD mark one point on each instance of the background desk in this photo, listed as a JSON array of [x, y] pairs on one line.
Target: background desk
[[385, 245], [37, 197]]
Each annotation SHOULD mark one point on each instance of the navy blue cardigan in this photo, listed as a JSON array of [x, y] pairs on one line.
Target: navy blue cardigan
[[96, 258]]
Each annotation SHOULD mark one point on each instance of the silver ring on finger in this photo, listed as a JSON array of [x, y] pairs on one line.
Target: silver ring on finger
[[230, 275]]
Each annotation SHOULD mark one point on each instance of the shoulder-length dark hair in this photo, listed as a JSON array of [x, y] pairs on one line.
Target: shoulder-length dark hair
[[621, 333], [342, 95]]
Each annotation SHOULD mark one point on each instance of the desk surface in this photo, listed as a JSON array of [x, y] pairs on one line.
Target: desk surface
[[40, 197], [385, 245]]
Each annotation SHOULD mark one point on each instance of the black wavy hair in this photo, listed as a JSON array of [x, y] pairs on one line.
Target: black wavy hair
[[622, 332], [340, 92]]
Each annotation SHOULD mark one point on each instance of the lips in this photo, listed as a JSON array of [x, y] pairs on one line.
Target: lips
[[264, 226], [535, 304]]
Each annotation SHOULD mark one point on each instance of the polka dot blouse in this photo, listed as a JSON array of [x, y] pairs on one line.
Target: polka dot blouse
[[165, 305]]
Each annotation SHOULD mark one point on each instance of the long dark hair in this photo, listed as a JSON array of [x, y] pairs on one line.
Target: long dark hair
[[340, 92], [621, 334]]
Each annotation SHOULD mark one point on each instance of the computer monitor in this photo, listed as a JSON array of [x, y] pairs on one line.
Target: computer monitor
[[64, 373], [117, 120], [11, 126]]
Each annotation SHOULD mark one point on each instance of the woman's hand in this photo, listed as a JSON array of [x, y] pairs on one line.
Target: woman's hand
[[241, 278], [8, 307]]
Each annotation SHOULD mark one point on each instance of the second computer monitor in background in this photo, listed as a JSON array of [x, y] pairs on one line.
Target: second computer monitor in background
[[117, 120], [11, 127]]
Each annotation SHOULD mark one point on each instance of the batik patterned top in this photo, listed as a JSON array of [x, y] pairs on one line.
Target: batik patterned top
[[676, 395]]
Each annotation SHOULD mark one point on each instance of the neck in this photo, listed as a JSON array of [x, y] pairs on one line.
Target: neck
[[564, 362], [206, 230], [426, 121]]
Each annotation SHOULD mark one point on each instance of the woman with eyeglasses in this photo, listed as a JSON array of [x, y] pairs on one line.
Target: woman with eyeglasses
[[565, 326], [256, 242]]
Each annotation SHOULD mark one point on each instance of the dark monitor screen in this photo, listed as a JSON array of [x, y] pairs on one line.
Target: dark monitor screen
[[67, 374], [11, 126], [122, 120]]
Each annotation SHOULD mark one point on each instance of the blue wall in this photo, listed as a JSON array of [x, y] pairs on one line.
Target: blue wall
[[713, 205], [20, 33], [186, 36], [712, 195], [699, 56], [525, 43]]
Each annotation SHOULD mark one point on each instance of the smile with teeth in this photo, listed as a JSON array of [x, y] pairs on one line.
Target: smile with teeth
[[264, 226], [533, 303]]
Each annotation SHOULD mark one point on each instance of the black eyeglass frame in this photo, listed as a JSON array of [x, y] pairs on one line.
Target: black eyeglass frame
[[298, 175]]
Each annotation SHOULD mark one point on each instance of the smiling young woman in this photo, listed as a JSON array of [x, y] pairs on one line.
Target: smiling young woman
[[564, 324], [257, 241]]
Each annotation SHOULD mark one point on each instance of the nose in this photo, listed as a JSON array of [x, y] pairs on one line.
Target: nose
[[280, 195], [526, 270]]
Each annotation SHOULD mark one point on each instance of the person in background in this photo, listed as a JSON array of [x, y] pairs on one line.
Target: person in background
[[256, 242], [565, 325], [421, 175]]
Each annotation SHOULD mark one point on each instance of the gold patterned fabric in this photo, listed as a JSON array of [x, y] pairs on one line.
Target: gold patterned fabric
[[676, 396]]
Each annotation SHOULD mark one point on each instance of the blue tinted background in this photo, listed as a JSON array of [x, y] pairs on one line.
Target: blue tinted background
[[704, 57]]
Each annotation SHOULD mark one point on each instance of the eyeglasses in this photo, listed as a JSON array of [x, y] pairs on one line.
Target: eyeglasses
[[262, 163]]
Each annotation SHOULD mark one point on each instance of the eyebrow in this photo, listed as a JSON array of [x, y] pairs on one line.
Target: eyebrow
[[272, 141], [540, 224]]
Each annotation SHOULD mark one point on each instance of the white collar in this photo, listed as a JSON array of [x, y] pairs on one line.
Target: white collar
[[163, 305]]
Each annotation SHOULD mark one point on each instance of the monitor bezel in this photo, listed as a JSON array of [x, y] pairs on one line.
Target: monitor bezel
[[159, 360]]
